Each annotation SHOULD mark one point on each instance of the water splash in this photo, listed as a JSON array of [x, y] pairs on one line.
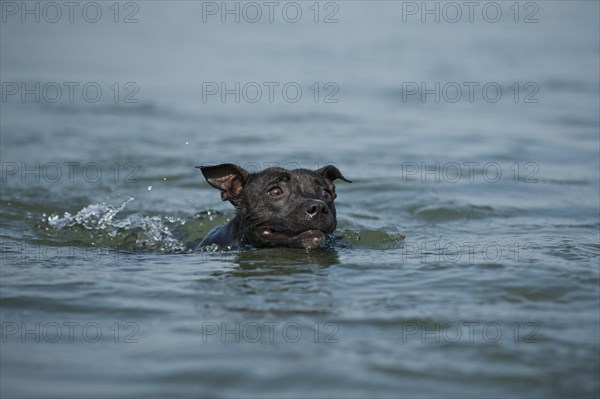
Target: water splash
[[92, 217], [99, 225]]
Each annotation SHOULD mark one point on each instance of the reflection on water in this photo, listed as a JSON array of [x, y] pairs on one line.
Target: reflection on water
[[284, 260]]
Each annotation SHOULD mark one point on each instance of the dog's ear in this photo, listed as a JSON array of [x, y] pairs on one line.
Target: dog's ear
[[227, 177], [331, 173]]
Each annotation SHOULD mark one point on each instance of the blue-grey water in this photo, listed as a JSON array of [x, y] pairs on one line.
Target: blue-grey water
[[467, 250]]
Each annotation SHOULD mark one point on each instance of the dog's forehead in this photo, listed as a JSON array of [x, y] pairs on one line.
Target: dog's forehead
[[308, 176], [303, 175], [272, 174]]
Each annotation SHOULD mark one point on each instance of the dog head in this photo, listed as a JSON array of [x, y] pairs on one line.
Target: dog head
[[279, 207]]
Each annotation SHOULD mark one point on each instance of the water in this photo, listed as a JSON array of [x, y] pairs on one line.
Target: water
[[466, 255]]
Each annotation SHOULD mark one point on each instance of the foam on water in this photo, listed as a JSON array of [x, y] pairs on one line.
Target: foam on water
[[150, 232]]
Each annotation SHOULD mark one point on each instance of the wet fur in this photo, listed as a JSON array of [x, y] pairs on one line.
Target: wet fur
[[303, 216]]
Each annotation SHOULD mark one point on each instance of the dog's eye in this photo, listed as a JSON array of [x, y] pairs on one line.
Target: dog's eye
[[275, 192], [326, 194]]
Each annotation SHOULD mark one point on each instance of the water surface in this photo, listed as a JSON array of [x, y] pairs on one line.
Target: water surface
[[466, 261]]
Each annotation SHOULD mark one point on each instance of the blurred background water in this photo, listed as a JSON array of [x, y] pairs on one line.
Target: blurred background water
[[470, 130]]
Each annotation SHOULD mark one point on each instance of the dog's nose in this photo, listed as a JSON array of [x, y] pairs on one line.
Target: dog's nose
[[314, 207]]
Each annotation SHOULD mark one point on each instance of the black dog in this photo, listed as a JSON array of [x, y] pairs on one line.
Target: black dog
[[275, 207]]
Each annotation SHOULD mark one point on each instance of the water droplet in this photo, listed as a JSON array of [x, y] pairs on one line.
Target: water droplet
[[149, 188], [186, 143]]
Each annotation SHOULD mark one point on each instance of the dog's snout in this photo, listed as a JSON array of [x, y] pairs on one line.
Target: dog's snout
[[314, 207]]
